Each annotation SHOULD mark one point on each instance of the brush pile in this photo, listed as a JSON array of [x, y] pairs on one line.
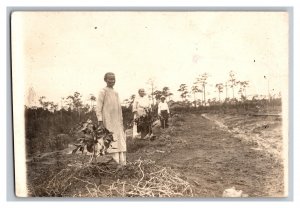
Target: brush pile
[[141, 178]]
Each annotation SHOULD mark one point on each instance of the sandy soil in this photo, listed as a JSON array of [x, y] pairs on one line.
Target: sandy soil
[[214, 158], [212, 152]]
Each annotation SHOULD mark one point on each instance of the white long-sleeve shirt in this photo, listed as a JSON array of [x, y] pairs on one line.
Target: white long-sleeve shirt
[[163, 106]]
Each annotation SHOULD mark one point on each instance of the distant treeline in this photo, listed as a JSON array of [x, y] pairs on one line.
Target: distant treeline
[[230, 106], [43, 125], [42, 121]]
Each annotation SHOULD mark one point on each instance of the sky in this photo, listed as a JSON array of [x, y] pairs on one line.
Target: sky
[[58, 53]]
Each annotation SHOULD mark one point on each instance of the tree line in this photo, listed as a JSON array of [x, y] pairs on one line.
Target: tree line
[[200, 87], [49, 118], [196, 95]]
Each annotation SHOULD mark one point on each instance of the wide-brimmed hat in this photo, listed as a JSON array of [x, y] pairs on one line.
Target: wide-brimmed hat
[[162, 97]]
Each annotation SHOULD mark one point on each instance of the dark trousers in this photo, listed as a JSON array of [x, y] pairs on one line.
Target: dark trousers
[[143, 129], [164, 117]]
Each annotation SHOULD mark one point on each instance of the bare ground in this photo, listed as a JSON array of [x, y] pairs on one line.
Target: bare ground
[[212, 152], [213, 158]]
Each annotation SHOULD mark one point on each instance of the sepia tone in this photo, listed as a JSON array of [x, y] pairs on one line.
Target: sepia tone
[[223, 75]]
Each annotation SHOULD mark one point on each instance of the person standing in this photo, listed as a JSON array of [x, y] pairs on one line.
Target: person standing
[[163, 112], [109, 115], [141, 104]]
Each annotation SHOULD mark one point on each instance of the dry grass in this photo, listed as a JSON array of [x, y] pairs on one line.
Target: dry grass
[[141, 178]]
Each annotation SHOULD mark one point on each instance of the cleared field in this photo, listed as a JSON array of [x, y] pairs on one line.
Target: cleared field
[[198, 156]]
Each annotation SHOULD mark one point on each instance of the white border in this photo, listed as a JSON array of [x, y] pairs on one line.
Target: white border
[[143, 3]]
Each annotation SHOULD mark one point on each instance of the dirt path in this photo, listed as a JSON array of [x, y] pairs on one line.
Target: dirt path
[[213, 159], [209, 156]]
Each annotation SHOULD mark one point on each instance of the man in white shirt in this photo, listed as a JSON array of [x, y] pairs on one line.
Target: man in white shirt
[[163, 112]]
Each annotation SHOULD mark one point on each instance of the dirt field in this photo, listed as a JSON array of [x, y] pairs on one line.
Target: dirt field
[[211, 152]]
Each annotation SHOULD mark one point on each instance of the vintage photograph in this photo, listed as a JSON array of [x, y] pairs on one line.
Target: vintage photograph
[[150, 104]]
